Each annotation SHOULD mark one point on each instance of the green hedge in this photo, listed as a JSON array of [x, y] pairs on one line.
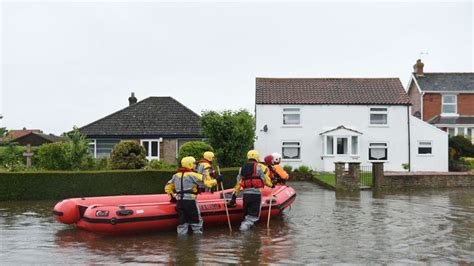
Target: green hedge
[[70, 184]]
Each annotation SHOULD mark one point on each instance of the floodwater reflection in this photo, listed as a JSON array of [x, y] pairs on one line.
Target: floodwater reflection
[[435, 226]]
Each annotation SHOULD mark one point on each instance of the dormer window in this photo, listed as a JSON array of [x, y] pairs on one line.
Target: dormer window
[[449, 104]]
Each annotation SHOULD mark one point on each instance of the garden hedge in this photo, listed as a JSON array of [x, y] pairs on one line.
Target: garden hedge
[[55, 185]]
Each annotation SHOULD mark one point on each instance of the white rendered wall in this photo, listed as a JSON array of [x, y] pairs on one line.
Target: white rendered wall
[[316, 119], [439, 159]]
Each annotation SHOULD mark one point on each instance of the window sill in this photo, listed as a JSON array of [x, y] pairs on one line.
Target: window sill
[[378, 126], [449, 114], [291, 126], [378, 161], [291, 160], [425, 155]]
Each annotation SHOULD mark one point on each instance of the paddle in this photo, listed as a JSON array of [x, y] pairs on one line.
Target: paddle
[[269, 210], [225, 201]]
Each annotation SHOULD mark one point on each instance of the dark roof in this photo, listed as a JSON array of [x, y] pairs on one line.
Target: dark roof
[[340, 127], [446, 81], [330, 91], [151, 117], [49, 138], [453, 120]]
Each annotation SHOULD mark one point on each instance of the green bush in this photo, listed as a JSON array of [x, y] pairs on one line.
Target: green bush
[[12, 158], [193, 148], [462, 146], [160, 165], [55, 185], [288, 168], [304, 169], [101, 163], [78, 150], [127, 154], [459, 166], [54, 156]]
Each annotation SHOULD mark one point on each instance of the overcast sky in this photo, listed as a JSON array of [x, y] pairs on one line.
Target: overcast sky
[[66, 64]]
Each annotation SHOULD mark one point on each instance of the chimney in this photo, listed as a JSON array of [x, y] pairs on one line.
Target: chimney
[[418, 68], [132, 99]]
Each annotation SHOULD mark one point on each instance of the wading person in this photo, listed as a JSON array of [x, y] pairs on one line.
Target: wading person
[[183, 189], [253, 177], [206, 169]]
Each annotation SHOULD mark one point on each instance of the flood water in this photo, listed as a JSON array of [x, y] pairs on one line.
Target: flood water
[[427, 226]]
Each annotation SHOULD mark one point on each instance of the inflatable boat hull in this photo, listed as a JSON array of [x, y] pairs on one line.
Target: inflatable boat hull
[[118, 214]]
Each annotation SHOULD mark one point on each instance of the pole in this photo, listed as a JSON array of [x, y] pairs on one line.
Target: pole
[[225, 201], [269, 211]]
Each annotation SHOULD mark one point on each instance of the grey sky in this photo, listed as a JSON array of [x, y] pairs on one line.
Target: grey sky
[[66, 64]]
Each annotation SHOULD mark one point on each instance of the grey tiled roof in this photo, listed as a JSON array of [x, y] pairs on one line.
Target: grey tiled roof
[[446, 81], [151, 117], [455, 120], [330, 91]]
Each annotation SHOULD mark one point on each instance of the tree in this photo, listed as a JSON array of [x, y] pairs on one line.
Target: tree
[[54, 156], [128, 154], [231, 133], [79, 155], [193, 148], [462, 146]]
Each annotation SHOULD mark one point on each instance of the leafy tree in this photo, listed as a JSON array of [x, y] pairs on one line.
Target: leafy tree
[[128, 154], [193, 148], [231, 133], [79, 155]]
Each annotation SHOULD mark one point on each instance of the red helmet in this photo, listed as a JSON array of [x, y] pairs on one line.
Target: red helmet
[[268, 159]]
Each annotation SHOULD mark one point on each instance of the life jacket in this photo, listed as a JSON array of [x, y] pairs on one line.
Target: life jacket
[[182, 171], [249, 176], [211, 169]]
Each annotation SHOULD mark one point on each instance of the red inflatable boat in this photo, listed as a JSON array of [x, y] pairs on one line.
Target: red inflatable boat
[[117, 214]]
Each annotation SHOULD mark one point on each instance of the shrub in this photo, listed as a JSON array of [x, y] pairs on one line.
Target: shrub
[[304, 169], [458, 166], [12, 158], [462, 146], [193, 148], [127, 154], [160, 165], [288, 168], [101, 163], [68, 184], [79, 156], [54, 156]]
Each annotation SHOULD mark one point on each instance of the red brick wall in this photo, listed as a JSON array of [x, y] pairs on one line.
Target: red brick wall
[[466, 104], [431, 105]]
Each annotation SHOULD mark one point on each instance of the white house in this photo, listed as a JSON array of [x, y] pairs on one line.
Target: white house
[[319, 121]]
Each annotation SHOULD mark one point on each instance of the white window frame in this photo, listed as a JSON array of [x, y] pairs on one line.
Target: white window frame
[[291, 111], [377, 142], [94, 143], [378, 112], [423, 144], [350, 152], [148, 156], [291, 146], [456, 131], [455, 105]]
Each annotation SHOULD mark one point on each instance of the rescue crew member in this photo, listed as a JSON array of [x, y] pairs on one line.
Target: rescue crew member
[[183, 189], [253, 177], [206, 169], [277, 173]]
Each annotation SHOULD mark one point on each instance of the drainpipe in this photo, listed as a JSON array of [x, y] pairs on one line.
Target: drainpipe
[[409, 139]]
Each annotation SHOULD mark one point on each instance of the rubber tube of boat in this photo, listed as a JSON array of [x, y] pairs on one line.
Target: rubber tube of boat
[[66, 212]]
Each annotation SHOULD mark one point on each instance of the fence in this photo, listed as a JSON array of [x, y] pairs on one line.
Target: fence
[[365, 176]]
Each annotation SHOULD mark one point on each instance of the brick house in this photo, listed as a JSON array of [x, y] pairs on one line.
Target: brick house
[[445, 100], [160, 124], [34, 137]]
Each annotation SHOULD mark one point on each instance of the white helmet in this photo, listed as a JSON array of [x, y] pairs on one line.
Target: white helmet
[[276, 158]]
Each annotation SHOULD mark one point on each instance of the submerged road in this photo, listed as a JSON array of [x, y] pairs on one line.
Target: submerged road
[[428, 226]]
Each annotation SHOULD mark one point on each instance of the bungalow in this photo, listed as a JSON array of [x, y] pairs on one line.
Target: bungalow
[[445, 100], [34, 137], [160, 124], [319, 121]]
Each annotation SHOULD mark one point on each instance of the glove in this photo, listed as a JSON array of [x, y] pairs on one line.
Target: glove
[[231, 203], [173, 199]]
